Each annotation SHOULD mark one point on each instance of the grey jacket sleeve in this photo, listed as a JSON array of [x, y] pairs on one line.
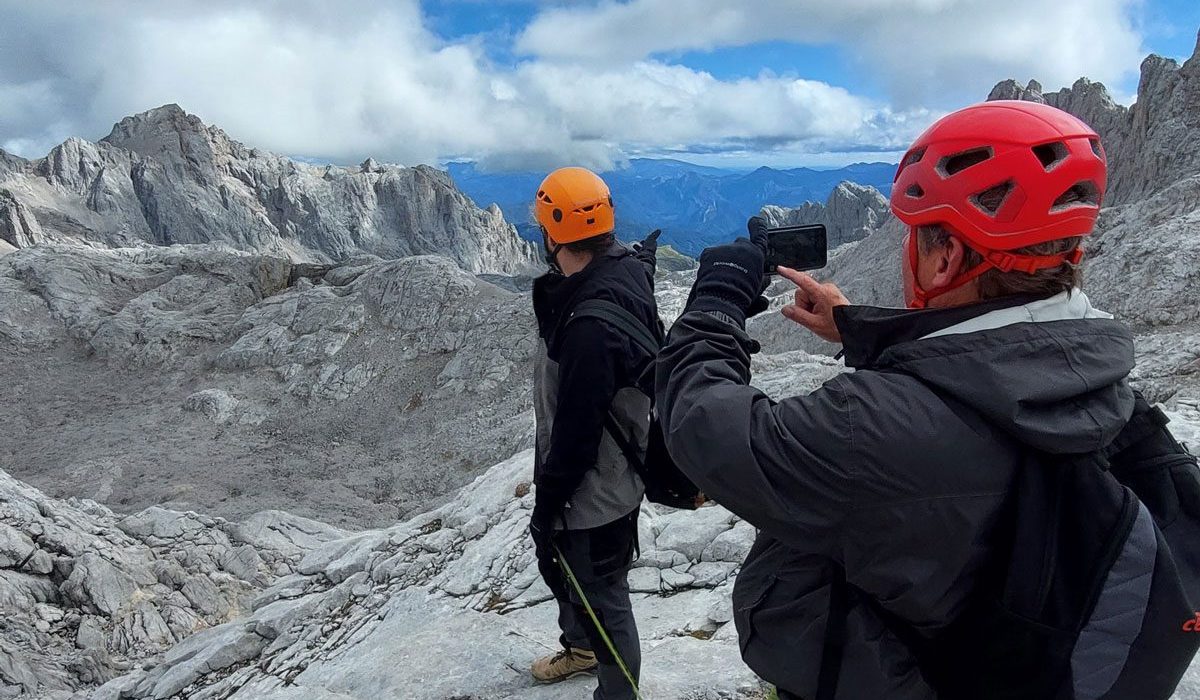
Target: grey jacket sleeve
[[787, 467]]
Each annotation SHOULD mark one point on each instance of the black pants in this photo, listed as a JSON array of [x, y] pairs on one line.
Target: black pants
[[600, 559]]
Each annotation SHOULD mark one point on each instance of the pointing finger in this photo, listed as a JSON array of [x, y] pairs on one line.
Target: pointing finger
[[804, 281], [801, 316], [790, 274]]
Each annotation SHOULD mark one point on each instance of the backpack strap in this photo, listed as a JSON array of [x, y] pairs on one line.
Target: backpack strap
[[621, 319], [627, 448], [628, 324]]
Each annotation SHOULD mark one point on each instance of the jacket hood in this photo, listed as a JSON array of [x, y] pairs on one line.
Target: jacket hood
[[1051, 372]]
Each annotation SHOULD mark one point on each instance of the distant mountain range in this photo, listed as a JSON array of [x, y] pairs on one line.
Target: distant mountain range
[[694, 205]]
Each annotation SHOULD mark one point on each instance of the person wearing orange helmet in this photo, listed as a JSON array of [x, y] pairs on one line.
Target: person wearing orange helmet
[[981, 509], [586, 397]]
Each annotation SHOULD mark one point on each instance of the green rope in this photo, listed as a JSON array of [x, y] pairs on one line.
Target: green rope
[[596, 621]]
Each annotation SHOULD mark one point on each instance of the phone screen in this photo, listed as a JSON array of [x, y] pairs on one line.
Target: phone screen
[[797, 247]]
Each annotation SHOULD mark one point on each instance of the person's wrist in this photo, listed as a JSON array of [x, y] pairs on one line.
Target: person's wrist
[[719, 304]]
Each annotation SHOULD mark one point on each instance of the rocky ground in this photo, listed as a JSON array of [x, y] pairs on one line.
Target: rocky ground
[[88, 594], [230, 382], [446, 602]]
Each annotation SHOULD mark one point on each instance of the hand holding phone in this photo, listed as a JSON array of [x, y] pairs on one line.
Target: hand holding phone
[[798, 247]]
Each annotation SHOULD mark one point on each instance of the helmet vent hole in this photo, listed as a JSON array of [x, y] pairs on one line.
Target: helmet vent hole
[[915, 191], [1051, 154], [955, 164], [591, 221], [557, 214], [1081, 194], [1096, 148], [990, 200], [911, 158]]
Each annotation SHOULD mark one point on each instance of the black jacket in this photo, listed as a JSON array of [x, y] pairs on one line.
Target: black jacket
[[593, 362], [896, 472]]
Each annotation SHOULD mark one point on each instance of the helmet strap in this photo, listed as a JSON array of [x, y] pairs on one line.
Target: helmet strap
[[550, 250], [1002, 260]]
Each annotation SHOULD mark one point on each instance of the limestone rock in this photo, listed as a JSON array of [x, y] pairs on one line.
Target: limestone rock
[[215, 404], [415, 610], [731, 546], [87, 594], [16, 548], [689, 536], [852, 212], [645, 579], [425, 631], [408, 359], [18, 226], [675, 580], [283, 532]]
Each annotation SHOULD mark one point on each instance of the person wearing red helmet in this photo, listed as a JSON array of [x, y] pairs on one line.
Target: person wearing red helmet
[[1009, 186], [894, 503]]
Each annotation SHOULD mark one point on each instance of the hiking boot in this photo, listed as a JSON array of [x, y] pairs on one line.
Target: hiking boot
[[567, 663]]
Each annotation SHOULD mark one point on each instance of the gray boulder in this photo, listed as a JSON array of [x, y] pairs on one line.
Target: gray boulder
[[215, 404]]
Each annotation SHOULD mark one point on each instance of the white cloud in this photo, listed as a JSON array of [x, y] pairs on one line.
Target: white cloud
[[918, 48], [345, 80]]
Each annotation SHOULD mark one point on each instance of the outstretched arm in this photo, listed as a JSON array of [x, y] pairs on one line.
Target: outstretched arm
[[787, 467]]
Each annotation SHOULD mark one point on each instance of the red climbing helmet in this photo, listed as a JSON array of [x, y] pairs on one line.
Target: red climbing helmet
[[1000, 176]]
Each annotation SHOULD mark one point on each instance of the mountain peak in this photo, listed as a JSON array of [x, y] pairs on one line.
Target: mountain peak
[[172, 133], [11, 162], [850, 189], [170, 117], [1012, 90]]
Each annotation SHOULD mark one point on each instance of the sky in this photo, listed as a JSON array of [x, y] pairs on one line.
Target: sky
[[535, 84]]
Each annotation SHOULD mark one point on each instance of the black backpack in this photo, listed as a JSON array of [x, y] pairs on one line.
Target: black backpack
[[1095, 591], [665, 483]]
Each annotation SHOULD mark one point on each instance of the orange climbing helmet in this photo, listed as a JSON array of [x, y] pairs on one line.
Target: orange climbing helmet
[[574, 204]]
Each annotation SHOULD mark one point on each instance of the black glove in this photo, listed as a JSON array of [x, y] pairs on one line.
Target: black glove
[[647, 250], [649, 244], [541, 529], [731, 278]]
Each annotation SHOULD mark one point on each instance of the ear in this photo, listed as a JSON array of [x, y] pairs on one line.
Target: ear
[[946, 263]]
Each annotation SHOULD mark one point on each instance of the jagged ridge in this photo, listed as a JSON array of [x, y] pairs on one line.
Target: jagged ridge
[[163, 177]]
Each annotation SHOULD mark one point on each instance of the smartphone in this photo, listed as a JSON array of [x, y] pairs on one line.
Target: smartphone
[[798, 247]]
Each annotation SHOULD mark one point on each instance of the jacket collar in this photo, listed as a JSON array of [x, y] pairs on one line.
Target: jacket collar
[[868, 331], [1067, 306]]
